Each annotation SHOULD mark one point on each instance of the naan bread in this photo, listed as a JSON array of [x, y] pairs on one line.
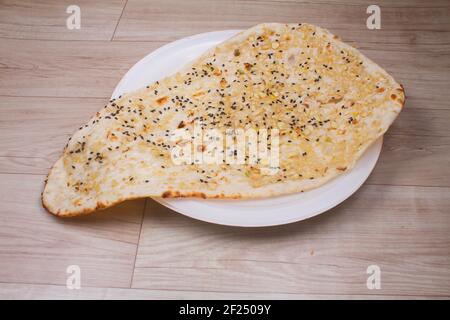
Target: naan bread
[[328, 101]]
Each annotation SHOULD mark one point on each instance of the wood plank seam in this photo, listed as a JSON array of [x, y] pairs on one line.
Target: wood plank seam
[[118, 20], [139, 240]]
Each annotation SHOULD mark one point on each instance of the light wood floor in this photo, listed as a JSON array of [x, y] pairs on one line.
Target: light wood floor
[[53, 79]]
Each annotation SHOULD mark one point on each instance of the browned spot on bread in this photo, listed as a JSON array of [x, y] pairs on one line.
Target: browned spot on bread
[[402, 95], [199, 93], [199, 195], [236, 52], [177, 194], [167, 194], [162, 100], [111, 136], [381, 90], [335, 100], [181, 125], [223, 83], [100, 205], [393, 96], [201, 148], [341, 168], [247, 66]]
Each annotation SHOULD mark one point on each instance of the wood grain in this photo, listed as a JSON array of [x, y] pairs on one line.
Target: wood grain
[[405, 22], [10, 291], [37, 247], [413, 161], [33, 131], [53, 79], [66, 68], [404, 230], [46, 19]]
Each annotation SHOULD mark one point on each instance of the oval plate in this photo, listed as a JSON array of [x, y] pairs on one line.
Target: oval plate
[[245, 213]]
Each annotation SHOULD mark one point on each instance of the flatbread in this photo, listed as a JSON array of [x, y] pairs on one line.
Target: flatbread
[[327, 101]]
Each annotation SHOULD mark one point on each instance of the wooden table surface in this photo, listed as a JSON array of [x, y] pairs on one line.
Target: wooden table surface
[[53, 79]]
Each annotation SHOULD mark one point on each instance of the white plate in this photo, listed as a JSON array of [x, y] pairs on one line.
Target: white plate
[[249, 213]]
